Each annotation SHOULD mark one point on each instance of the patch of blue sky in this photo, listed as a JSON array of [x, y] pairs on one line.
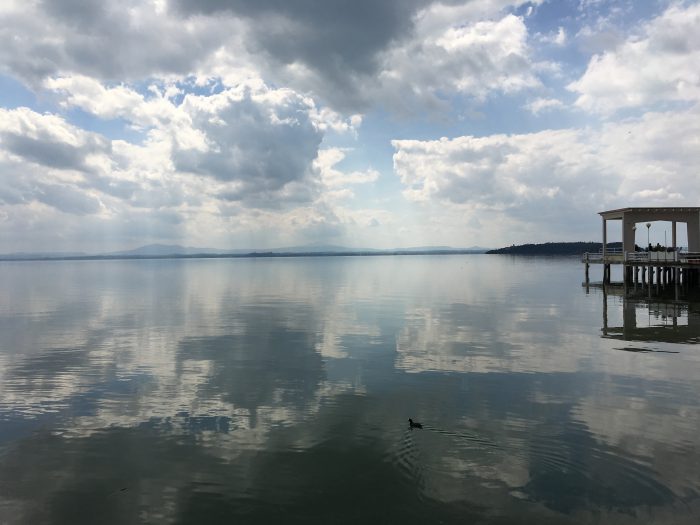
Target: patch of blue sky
[[13, 94], [114, 129], [190, 86], [590, 26], [574, 14]]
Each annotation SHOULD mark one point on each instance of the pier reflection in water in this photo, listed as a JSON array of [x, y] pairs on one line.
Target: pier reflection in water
[[670, 315]]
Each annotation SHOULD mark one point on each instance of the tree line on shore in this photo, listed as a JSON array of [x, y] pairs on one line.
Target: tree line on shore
[[555, 248]]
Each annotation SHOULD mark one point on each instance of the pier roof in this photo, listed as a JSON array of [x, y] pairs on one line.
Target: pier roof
[[630, 217], [649, 211]]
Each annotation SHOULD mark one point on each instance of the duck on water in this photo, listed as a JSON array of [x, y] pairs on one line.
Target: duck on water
[[414, 424]]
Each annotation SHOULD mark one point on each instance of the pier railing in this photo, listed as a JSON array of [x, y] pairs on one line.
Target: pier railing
[[641, 257], [652, 257], [592, 257], [689, 257], [616, 255]]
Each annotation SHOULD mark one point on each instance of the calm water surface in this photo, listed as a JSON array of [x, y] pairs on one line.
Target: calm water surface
[[278, 391]]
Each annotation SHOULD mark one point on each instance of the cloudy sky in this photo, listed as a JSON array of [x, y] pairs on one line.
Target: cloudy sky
[[267, 123]]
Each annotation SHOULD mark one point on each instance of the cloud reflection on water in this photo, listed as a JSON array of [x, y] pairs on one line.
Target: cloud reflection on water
[[216, 384]]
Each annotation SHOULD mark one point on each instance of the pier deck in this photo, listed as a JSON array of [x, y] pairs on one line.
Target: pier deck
[[666, 265]]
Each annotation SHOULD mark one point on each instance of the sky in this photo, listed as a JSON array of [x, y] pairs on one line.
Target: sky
[[361, 123]]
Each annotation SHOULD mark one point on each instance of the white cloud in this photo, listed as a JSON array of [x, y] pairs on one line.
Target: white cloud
[[473, 59], [258, 143], [559, 38], [223, 153], [543, 104], [126, 41], [119, 101], [261, 142], [344, 53], [327, 119], [557, 179], [660, 64], [334, 178], [240, 163]]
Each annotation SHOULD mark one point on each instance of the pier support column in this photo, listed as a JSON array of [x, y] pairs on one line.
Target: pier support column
[[673, 235], [605, 238], [693, 226]]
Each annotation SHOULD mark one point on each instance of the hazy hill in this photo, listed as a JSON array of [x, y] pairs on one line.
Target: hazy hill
[[176, 250], [165, 250]]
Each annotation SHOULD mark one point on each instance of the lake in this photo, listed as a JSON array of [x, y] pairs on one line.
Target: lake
[[279, 390]]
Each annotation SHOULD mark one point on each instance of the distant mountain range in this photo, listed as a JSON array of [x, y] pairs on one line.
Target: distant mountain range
[[159, 250], [176, 250]]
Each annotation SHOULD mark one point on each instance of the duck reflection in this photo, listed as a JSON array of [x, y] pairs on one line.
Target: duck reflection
[[667, 317]]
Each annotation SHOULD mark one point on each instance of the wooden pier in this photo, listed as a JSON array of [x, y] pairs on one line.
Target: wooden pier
[[649, 266]]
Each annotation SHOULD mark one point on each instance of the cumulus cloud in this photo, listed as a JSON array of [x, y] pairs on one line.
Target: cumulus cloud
[[245, 112], [113, 41], [257, 144], [543, 104], [473, 59], [228, 139], [556, 177], [333, 177], [120, 101], [336, 40], [260, 142], [354, 54], [658, 64], [558, 38], [217, 166], [349, 54], [46, 160], [48, 140]]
